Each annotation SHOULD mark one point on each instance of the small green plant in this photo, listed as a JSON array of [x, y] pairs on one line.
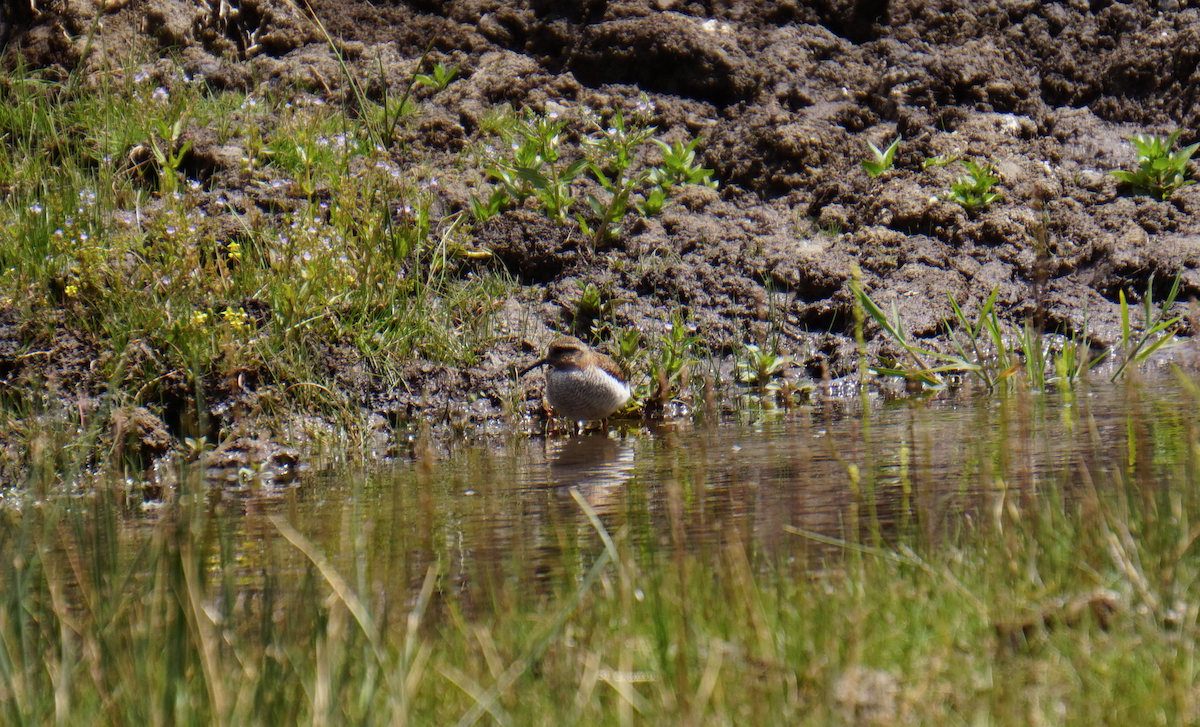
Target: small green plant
[[1159, 172], [614, 149], [941, 160], [882, 160], [629, 346], [535, 168], [441, 77], [306, 158], [381, 122], [1075, 360], [669, 369], [761, 365], [973, 189], [679, 166], [169, 153], [496, 202], [1136, 349], [972, 358], [652, 202], [592, 312]]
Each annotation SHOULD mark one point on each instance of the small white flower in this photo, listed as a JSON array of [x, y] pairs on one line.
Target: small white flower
[[161, 95]]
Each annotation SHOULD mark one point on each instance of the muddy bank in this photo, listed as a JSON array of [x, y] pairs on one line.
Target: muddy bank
[[785, 97]]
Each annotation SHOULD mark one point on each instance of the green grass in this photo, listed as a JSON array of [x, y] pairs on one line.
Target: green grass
[[1062, 593], [982, 351], [114, 234]]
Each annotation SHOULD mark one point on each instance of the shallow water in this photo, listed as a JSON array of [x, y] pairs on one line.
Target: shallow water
[[994, 527], [501, 521]]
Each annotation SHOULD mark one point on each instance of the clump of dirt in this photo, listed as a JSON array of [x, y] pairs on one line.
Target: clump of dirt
[[786, 96]]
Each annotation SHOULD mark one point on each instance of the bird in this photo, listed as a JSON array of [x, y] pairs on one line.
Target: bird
[[581, 384]]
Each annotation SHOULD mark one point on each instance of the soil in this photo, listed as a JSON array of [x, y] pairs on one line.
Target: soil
[[786, 96]]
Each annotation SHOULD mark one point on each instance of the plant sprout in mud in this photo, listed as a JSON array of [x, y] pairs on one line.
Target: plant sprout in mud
[[761, 364], [170, 149], [881, 161], [535, 168], [614, 149], [669, 370], [1160, 172], [972, 190], [940, 160], [441, 77], [679, 166], [592, 311]]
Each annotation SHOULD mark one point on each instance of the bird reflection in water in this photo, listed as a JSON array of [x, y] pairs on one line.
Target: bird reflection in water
[[597, 465]]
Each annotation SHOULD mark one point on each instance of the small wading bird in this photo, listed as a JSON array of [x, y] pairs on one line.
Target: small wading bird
[[581, 384]]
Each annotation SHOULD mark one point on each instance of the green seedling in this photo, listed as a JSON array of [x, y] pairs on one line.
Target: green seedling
[[652, 203], [496, 203], [380, 122], [382, 126], [629, 345], [593, 311], [169, 153], [1159, 172], [669, 370], [679, 166], [535, 168], [972, 190], [985, 350], [441, 77], [882, 160], [1074, 361], [614, 147], [613, 151], [1136, 349], [307, 159], [761, 365], [941, 160]]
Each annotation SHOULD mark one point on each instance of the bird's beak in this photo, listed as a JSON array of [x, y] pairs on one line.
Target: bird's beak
[[532, 366]]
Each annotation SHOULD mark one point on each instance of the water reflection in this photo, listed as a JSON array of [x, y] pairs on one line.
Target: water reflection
[[500, 521]]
